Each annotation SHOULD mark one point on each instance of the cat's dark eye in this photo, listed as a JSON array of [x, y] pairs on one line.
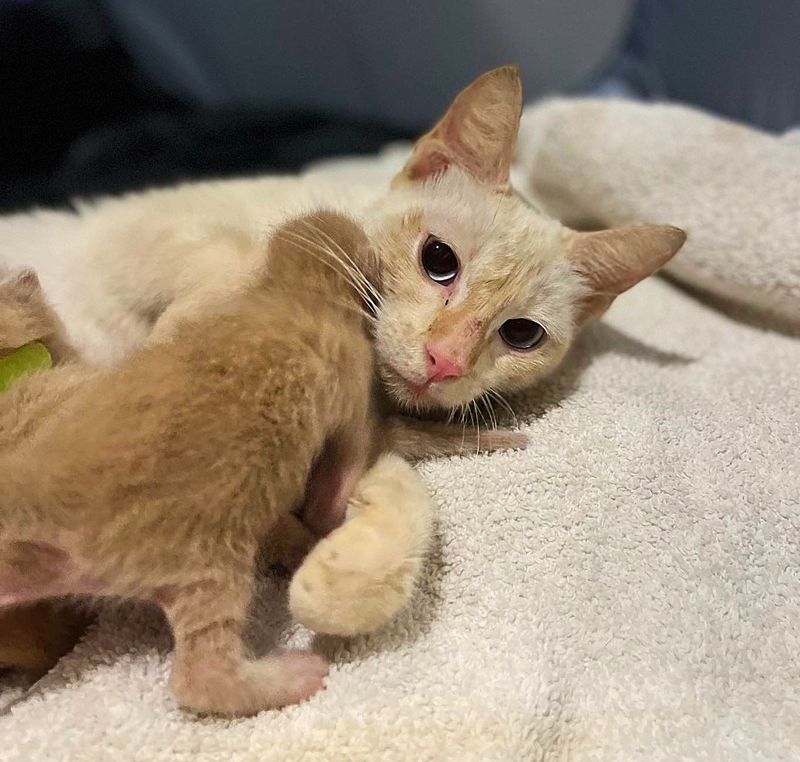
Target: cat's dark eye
[[521, 333], [439, 261]]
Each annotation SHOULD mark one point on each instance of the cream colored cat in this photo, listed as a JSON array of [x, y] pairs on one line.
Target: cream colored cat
[[483, 294]]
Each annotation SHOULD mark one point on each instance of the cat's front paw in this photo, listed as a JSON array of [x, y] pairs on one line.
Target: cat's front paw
[[358, 577], [351, 583]]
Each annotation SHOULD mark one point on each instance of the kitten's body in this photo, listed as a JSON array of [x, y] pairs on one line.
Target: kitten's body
[[159, 478]]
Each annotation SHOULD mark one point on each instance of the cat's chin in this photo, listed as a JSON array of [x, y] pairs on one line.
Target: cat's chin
[[418, 398]]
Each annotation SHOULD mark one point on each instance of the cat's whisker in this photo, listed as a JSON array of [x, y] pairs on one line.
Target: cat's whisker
[[477, 427], [485, 400], [314, 249], [376, 295], [346, 271], [496, 395], [478, 411], [463, 425], [318, 238]]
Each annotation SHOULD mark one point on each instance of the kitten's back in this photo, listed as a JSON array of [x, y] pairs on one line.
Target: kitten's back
[[240, 402]]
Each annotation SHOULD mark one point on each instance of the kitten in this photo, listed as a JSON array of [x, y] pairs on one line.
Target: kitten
[[157, 479]]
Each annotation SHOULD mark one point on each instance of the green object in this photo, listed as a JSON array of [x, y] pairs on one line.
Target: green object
[[22, 362]]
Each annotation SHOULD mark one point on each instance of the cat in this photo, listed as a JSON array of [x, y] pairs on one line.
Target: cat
[[157, 478], [354, 582], [482, 294]]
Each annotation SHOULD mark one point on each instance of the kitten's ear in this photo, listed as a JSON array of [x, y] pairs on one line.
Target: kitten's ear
[[478, 133], [612, 261]]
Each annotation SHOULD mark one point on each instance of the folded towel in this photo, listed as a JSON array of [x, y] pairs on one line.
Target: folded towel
[[736, 190]]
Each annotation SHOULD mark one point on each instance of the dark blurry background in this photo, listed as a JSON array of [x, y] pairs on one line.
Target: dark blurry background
[[102, 96]]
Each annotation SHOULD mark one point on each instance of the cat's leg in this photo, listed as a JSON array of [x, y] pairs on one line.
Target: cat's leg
[[417, 439], [211, 674], [35, 636], [356, 579], [288, 542]]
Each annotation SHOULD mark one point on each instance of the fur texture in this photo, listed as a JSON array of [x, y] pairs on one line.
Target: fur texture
[[131, 268], [125, 270], [158, 479]]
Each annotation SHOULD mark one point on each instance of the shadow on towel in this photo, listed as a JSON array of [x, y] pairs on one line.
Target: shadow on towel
[[595, 340]]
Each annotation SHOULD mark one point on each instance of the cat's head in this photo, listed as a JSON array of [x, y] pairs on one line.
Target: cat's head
[[482, 292]]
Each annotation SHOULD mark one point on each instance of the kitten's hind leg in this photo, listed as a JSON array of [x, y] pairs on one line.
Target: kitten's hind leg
[[357, 579], [211, 673], [34, 637]]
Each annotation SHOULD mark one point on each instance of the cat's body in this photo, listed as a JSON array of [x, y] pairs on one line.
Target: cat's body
[[129, 259], [124, 271], [159, 478]]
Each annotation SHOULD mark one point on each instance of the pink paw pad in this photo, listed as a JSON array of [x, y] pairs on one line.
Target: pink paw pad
[[304, 672]]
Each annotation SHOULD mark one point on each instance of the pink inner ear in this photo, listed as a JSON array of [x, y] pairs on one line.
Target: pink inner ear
[[431, 161]]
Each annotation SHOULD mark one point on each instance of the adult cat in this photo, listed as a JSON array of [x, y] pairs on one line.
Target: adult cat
[[482, 293]]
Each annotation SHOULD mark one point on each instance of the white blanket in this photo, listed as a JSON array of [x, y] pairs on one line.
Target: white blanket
[[626, 589]]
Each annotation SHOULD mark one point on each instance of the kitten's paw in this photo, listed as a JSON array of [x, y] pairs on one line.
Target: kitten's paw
[[345, 587], [303, 675], [358, 577], [237, 688]]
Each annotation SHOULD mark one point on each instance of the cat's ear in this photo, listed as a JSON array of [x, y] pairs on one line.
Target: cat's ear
[[612, 261], [477, 134]]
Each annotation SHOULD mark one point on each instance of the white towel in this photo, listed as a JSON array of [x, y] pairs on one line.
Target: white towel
[[625, 589], [734, 189]]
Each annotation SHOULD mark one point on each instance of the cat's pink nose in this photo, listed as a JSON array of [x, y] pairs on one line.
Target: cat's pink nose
[[441, 366]]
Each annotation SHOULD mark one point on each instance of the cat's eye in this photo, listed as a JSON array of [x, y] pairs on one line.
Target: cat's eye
[[521, 333], [439, 261]]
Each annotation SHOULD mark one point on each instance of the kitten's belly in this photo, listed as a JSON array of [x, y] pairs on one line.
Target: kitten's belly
[[110, 270]]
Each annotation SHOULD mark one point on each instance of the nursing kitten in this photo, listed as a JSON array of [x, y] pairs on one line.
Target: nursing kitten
[[157, 479]]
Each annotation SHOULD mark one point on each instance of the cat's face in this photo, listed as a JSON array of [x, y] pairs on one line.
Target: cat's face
[[478, 292], [483, 293]]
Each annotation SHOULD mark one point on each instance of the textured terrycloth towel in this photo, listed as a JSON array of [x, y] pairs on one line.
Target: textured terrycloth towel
[[736, 190], [626, 589]]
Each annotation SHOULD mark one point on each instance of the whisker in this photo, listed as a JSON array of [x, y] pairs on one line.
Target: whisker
[[356, 269], [504, 402], [485, 400], [314, 248], [345, 271], [477, 427]]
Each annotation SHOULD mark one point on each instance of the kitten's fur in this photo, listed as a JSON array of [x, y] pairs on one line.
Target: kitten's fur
[[157, 479]]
